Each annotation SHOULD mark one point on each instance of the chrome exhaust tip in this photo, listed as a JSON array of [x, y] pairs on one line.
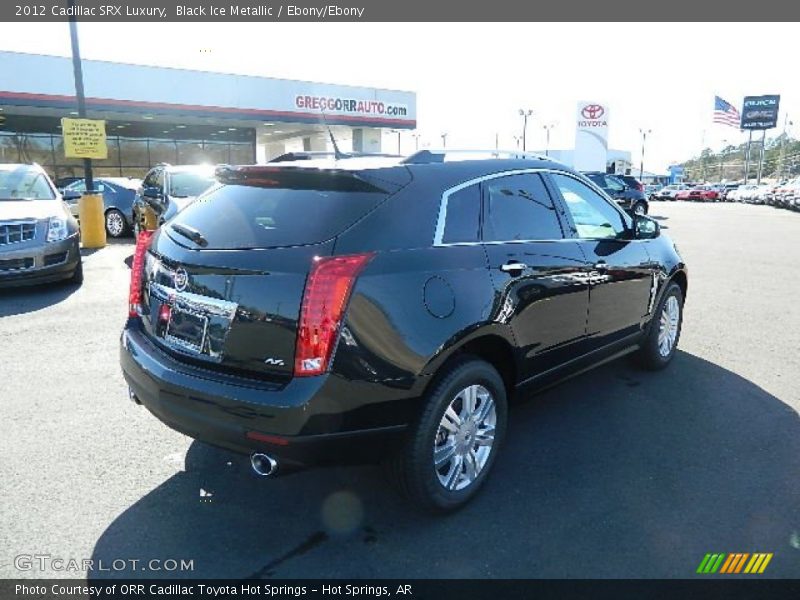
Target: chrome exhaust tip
[[263, 464]]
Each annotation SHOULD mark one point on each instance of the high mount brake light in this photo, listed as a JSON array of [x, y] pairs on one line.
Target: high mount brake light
[[137, 271], [328, 289]]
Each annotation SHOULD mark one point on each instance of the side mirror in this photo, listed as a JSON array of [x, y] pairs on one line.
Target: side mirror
[[152, 192], [645, 228], [71, 196]]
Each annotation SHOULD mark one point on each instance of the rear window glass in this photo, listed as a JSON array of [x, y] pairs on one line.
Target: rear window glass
[[243, 216]]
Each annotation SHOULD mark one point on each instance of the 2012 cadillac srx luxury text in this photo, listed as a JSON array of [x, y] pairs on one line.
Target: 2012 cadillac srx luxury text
[[357, 309]]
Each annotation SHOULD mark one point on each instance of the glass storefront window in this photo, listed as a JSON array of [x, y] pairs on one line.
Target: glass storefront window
[[191, 153], [241, 154], [133, 154], [162, 152], [9, 149], [217, 152], [35, 149], [127, 156]]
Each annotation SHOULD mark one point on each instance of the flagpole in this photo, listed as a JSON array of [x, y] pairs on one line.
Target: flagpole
[[761, 156], [747, 156]]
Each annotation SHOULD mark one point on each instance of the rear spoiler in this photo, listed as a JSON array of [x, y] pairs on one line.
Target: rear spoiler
[[302, 178]]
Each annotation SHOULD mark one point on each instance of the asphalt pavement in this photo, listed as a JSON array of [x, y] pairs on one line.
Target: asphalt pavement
[[615, 473]]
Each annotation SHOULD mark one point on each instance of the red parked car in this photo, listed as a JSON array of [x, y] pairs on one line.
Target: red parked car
[[699, 194]]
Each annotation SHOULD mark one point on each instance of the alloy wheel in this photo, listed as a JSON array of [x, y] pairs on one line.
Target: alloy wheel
[[115, 224], [465, 437], [668, 326]]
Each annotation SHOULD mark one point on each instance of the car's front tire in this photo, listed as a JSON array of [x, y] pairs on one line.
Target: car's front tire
[[661, 342], [77, 274], [450, 449]]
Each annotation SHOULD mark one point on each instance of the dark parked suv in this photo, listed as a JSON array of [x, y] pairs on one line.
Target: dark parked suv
[[625, 189], [166, 190], [376, 308]]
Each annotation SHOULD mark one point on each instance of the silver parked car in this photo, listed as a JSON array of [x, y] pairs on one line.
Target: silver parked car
[[39, 241]]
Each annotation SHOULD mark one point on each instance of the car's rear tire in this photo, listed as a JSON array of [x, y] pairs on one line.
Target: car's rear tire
[[116, 226], [661, 342], [461, 426]]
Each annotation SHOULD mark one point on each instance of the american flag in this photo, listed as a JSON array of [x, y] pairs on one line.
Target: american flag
[[725, 113]]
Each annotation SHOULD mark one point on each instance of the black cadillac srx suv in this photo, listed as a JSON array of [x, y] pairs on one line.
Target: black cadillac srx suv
[[331, 311]]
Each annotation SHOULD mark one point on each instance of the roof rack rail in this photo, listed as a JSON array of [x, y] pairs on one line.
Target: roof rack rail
[[439, 156]]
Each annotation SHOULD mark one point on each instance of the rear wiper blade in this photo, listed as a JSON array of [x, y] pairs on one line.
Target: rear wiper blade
[[190, 233]]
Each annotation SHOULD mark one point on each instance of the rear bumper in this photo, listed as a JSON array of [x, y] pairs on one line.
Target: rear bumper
[[307, 421], [49, 262]]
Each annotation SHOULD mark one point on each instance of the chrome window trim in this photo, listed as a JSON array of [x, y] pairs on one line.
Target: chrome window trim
[[441, 219]]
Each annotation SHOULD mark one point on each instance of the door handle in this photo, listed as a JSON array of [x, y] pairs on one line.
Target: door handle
[[601, 265], [512, 267]]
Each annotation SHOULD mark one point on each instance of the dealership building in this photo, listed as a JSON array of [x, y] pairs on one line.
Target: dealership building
[[180, 116]]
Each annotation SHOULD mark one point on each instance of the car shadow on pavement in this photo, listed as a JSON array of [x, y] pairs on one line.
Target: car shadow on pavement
[[615, 473], [22, 300]]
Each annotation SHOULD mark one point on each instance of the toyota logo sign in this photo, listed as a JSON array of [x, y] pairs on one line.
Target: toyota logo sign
[[593, 111]]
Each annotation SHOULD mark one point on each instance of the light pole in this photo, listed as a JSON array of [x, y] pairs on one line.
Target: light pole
[[416, 141], [77, 68], [444, 140], [524, 114], [786, 122], [547, 129], [644, 133], [517, 140]]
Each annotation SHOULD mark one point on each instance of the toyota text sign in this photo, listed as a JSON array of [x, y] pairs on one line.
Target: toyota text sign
[[760, 112], [591, 137]]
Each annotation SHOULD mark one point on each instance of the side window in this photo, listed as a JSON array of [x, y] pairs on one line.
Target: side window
[[150, 178], [160, 179], [463, 215], [77, 186], [594, 217], [518, 207], [614, 184], [599, 180]]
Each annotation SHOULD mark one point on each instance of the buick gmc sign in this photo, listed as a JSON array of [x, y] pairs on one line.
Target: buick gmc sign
[[760, 112]]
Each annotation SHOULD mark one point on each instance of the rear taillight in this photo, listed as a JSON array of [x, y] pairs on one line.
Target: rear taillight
[[137, 271], [327, 292], [640, 187]]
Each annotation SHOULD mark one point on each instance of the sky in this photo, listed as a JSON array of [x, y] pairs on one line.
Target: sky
[[472, 79]]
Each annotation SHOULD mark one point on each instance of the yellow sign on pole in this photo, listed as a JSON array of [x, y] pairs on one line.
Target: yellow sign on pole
[[84, 138]]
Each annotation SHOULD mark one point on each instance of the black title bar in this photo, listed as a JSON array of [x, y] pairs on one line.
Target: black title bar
[[398, 10], [727, 588]]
